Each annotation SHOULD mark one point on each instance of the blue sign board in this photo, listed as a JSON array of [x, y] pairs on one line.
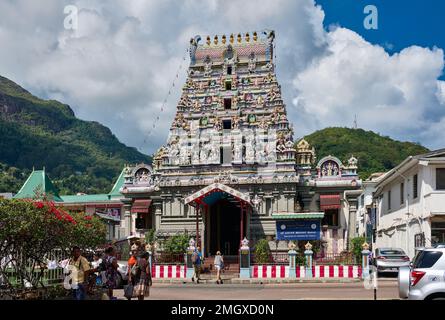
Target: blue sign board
[[298, 230]]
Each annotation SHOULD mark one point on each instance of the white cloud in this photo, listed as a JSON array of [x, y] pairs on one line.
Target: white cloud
[[118, 66], [395, 95]]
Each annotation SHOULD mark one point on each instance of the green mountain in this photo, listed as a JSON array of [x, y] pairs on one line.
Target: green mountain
[[84, 156], [79, 156], [375, 153]]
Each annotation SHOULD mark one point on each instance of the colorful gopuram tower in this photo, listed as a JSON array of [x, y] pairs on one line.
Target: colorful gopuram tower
[[229, 168], [231, 119]]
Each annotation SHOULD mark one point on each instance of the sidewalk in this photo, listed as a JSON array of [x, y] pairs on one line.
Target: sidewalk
[[264, 281], [294, 280]]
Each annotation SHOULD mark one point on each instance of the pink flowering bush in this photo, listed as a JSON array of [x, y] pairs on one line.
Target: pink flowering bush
[[31, 229]]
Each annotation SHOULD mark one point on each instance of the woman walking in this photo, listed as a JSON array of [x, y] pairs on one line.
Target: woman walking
[[141, 277], [219, 263], [132, 269], [110, 271]]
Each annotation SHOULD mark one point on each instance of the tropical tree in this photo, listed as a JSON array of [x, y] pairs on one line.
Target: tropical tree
[[30, 231]]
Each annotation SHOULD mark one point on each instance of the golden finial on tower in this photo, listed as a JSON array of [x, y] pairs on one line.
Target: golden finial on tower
[[255, 36], [231, 38], [239, 38], [215, 40], [208, 40], [247, 37], [223, 40]]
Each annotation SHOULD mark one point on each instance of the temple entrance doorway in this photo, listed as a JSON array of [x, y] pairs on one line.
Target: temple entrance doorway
[[225, 222], [224, 228]]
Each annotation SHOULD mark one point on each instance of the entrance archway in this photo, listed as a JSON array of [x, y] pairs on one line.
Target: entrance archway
[[224, 211], [223, 224]]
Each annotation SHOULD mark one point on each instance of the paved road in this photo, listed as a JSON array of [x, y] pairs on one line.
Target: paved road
[[345, 291]]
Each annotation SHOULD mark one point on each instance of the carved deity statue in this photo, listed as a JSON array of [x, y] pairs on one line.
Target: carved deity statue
[[217, 124], [203, 154], [190, 84], [237, 153], [273, 94], [260, 101], [264, 124], [235, 122], [196, 105], [329, 168], [127, 170], [207, 66], [269, 78], [252, 63], [281, 141], [184, 101]]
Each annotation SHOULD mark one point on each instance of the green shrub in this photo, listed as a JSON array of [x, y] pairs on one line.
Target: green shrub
[[356, 246], [177, 243], [300, 260], [316, 246], [262, 251], [150, 236]]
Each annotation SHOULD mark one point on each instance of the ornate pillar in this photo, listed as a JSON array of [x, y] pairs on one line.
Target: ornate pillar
[[198, 211], [158, 214], [308, 257], [248, 217], [292, 259], [203, 228], [127, 218], [133, 223], [352, 220], [241, 220], [365, 260]]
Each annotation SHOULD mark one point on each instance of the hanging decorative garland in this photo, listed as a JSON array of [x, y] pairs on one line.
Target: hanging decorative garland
[[164, 103]]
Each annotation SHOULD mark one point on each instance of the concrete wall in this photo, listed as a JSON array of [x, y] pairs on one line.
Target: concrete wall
[[392, 221]]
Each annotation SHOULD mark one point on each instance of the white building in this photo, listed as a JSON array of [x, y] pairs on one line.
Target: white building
[[413, 194], [365, 204]]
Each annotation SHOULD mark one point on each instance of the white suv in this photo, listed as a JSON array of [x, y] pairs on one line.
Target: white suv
[[425, 279]]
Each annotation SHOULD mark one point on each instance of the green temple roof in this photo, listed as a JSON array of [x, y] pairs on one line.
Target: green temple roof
[[117, 185], [37, 184], [80, 198]]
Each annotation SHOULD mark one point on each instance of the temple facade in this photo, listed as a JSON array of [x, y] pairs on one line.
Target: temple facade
[[230, 167]]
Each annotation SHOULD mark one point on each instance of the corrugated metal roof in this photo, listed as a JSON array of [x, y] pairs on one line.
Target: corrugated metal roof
[[85, 198]]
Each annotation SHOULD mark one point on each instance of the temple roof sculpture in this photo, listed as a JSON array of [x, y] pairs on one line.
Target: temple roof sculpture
[[231, 111]]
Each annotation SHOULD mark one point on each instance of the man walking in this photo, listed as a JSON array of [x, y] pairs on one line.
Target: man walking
[[82, 270], [197, 260]]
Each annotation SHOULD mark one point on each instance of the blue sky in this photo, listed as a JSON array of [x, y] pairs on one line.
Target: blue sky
[[401, 23]]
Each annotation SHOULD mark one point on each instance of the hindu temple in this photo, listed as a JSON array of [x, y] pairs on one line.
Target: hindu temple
[[230, 167]]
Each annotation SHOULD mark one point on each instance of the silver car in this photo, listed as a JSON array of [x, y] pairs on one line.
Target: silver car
[[425, 279], [390, 259]]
